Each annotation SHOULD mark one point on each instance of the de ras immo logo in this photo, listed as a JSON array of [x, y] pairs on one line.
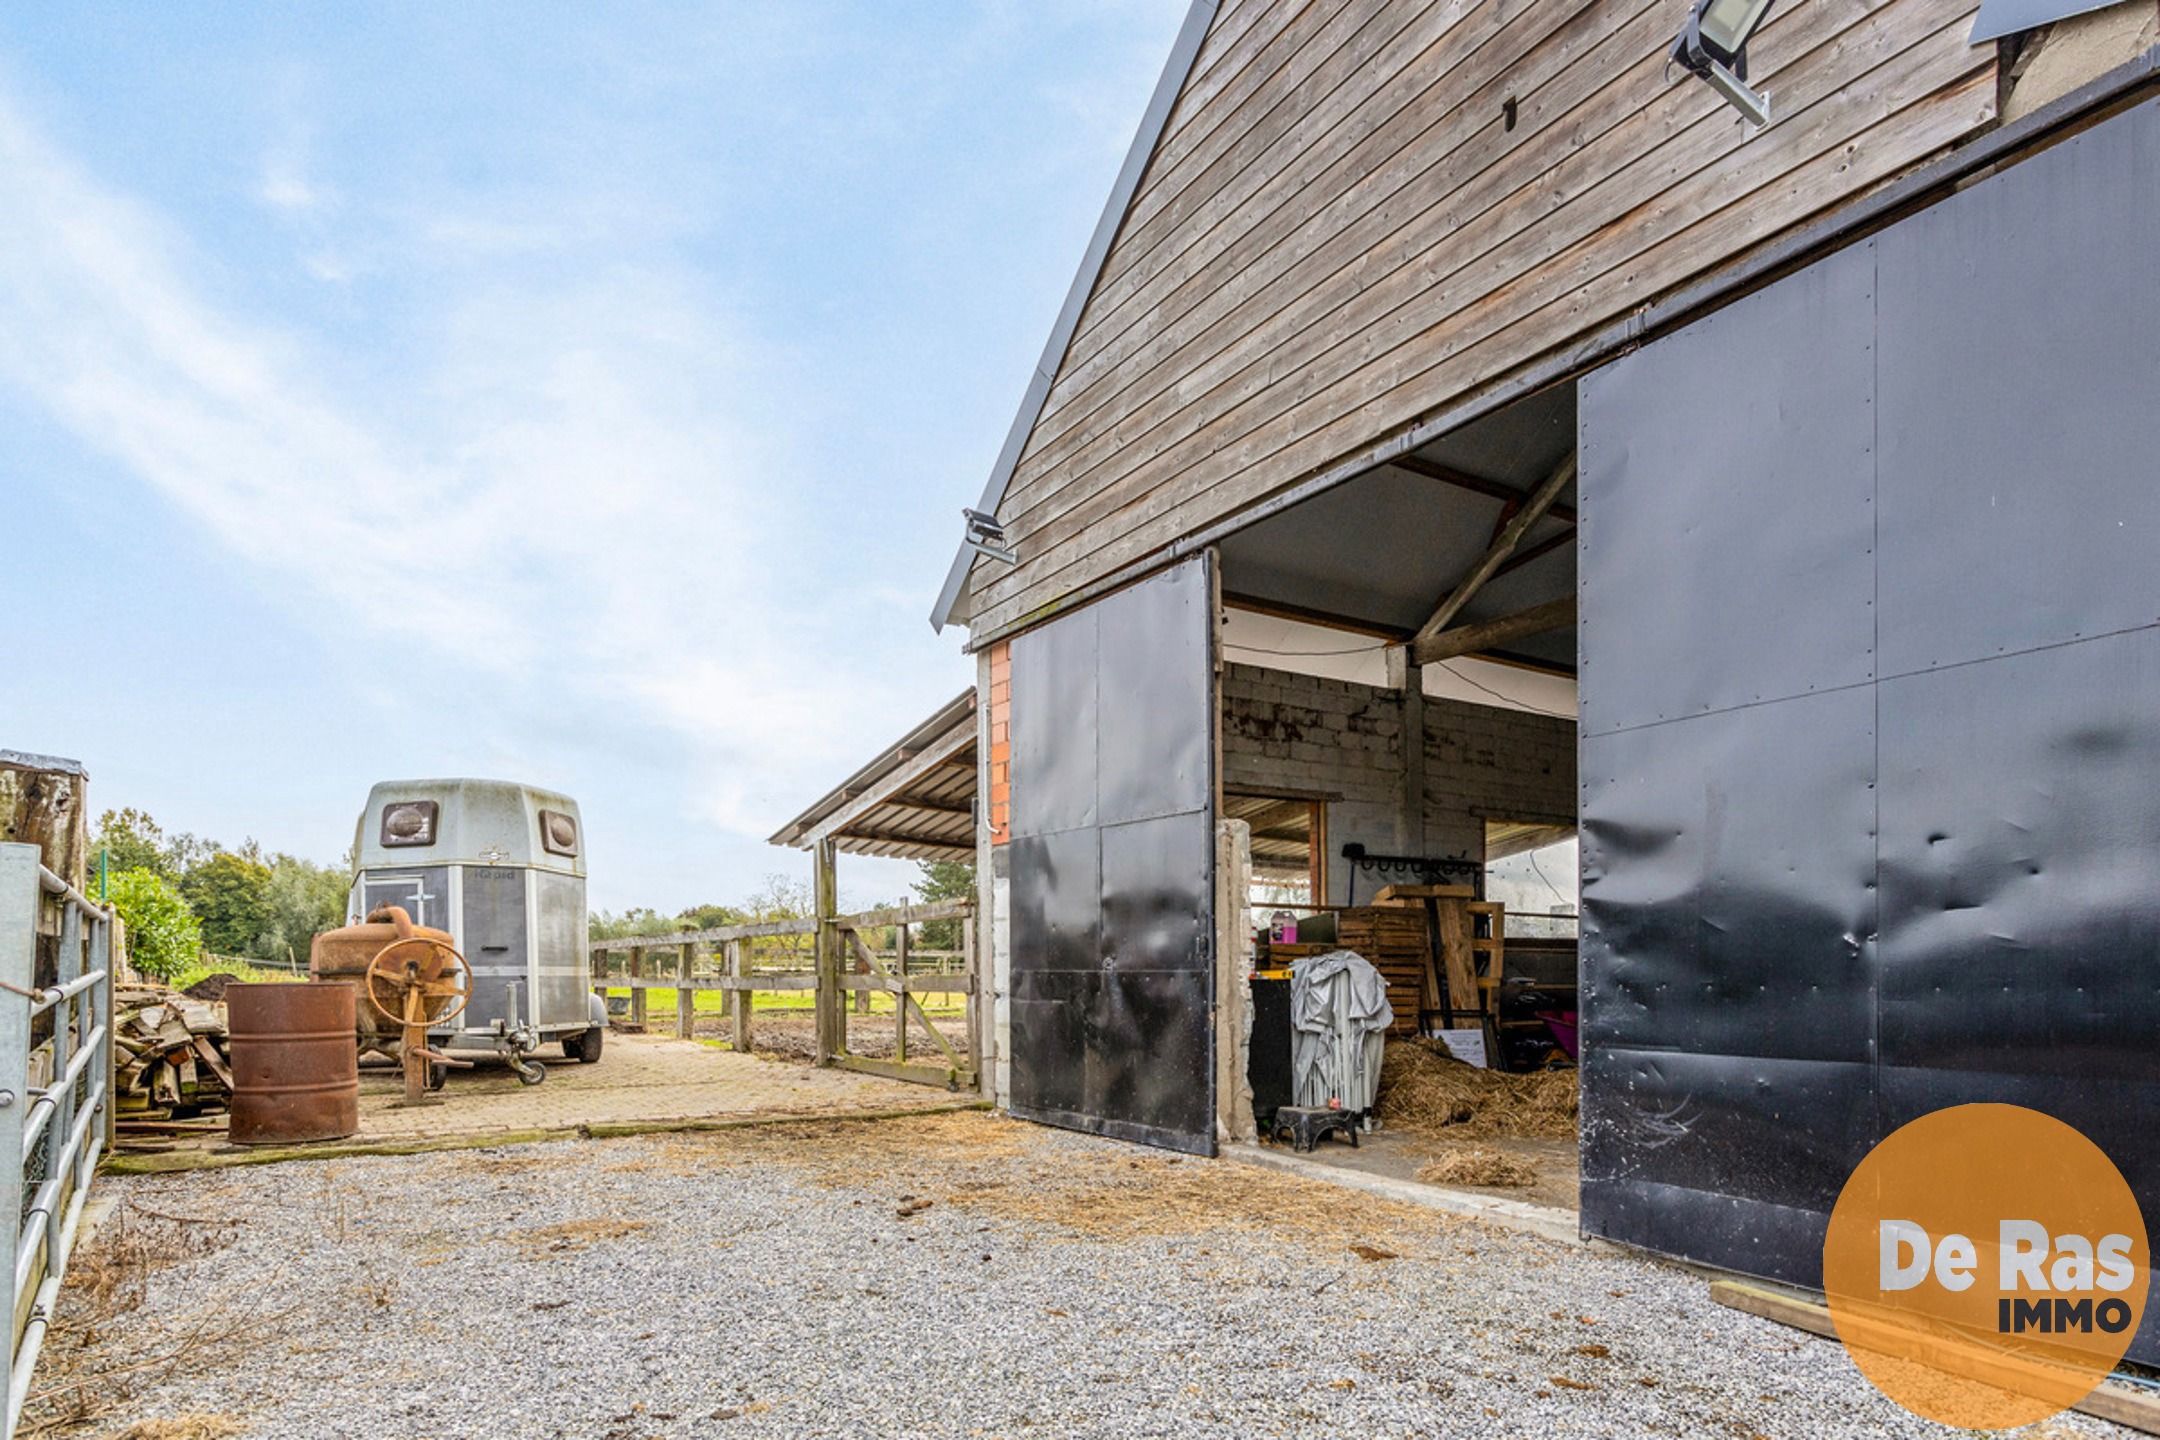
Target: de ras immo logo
[[1986, 1266]]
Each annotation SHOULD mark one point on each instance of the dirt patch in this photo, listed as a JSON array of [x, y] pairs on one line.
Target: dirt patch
[[183, 1427], [82, 1379], [992, 1165], [1426, 1091], [1478, 1165], [211, 987], [795, 1038], [575, 1235]]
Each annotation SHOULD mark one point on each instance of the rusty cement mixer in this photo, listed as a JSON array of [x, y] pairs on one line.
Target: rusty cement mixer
[[410, 978]]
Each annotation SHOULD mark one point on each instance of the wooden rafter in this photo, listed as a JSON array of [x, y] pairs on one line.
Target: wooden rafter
[[1487, 634], [1476, 484], [1533, 509]]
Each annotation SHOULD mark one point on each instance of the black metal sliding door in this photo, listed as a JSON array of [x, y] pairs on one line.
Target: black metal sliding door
[[1112, 863], [1871, 711]]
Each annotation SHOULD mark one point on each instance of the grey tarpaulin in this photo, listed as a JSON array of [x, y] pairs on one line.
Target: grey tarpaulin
[[1339, 1015]]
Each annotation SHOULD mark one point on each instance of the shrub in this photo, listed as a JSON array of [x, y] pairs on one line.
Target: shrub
[[162, 936]]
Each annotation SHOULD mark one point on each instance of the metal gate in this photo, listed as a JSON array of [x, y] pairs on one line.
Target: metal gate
[[1871, 711], [1112, 863], [56, 1065]]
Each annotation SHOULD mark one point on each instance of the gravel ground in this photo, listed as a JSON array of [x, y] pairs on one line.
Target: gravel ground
[[790, 1281]]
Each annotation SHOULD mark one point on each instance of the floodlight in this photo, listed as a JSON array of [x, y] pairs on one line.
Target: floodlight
[[1713, 45], [986, 536]]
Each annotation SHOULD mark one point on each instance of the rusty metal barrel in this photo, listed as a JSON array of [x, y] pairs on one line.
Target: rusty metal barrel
[[296, 1070]]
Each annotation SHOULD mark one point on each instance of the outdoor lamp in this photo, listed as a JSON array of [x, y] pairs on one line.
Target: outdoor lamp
[[1713, 45], [986, 536]]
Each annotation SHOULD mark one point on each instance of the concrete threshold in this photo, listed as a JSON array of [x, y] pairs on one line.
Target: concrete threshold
[[1563, 1227]]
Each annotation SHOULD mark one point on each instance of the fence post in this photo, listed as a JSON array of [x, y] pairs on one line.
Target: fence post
[[685, 997], [738, 1000], [20, 897], [861, 967], [637, 993], [831, 1008], [971, 1012], [899, 1016]]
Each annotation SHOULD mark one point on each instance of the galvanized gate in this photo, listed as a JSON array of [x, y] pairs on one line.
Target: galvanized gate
[[1112, 862], [55, 1090]]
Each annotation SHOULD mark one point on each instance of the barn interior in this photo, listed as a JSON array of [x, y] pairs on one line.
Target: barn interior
[[1431, 597]]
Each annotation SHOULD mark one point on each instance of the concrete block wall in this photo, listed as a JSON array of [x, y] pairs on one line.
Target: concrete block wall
[[1300, 734]]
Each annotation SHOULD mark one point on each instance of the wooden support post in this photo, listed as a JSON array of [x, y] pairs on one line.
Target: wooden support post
[[862, 997], [900, 949], [971, 1010], [831, 998], [739, 1001], [1407, 679], [637, 995], [685, 997]]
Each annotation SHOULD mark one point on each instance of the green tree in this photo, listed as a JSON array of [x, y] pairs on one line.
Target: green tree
[[301, 901], [605, 925], [133, 841], [230, 895], [137, 842], [162, 936], [709, 917], [943, 880]]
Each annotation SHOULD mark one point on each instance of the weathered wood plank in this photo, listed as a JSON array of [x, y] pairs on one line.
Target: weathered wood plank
[[951, 1079], [685, 997], [1348, 157], [739, 1002], [761, 930], [752, 981], [1922, 96], [911, 914], [1261, 252], [1354, 314]]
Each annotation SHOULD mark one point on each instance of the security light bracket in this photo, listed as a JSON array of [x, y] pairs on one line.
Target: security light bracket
[[986, 535]]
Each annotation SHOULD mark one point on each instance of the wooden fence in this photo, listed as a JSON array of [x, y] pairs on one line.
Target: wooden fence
[[841, 961]]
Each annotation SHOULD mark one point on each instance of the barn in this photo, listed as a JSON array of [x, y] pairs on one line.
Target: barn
[[1470, 438]]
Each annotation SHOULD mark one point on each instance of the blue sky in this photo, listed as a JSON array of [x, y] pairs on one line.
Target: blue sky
[[580, 394]]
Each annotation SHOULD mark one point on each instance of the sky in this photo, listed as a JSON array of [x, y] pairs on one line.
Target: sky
[[582, 395]]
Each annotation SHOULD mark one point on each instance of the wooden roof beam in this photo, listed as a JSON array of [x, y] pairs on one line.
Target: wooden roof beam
[[1511, 534], [1478, 484], [1487, 634]]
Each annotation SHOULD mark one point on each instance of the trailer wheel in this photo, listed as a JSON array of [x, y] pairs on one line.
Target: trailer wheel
[[529, 1072], [584, 1047]]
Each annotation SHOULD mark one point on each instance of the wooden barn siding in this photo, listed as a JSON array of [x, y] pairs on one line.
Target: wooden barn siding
[[1337, 235]]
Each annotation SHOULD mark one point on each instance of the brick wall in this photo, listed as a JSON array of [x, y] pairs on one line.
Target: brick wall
[[1300, 734], [999, 761]]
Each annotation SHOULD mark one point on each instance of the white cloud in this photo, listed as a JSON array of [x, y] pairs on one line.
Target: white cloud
[[578, 489]]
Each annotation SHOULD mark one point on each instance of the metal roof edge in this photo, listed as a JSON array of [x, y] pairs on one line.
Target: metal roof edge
[[925, 733], [1198, 18]]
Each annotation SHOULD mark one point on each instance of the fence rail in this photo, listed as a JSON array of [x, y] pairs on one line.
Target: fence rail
[[56, 1066], [820, 968]]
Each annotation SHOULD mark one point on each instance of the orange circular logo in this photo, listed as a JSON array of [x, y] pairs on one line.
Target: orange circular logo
[[1986, 1266]]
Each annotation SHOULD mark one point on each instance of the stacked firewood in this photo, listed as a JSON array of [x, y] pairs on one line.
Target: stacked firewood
[[172, 1050]]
